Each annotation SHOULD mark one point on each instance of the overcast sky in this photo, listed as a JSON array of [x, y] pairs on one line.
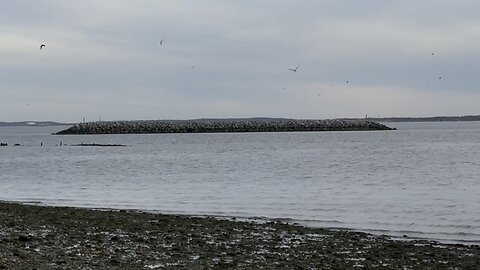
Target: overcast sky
[[223, 58]]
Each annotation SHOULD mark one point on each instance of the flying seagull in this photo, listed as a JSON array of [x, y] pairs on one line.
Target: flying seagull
[[161, 42], [42, 46], [294, 70]]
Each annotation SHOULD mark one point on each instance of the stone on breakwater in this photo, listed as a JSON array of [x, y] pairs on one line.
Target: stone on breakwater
[[221, 125]]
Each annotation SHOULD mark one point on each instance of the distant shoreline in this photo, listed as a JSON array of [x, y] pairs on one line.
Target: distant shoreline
[[375, 119], [425, 119], [33, 124]]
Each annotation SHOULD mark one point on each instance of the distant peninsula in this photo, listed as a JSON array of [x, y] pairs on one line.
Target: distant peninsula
[[221, 125], [427, 119], [32, 124]]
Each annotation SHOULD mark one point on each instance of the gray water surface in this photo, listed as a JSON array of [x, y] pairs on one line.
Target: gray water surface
[[422, 180]]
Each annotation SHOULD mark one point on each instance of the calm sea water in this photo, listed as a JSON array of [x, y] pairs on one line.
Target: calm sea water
[[422, 180]]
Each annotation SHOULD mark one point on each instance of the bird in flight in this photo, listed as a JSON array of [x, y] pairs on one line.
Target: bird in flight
[[42, 46], [161, 42], [294, 70], [440, 77]]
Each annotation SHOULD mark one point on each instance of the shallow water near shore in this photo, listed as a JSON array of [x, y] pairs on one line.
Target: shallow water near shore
[[422, 180]]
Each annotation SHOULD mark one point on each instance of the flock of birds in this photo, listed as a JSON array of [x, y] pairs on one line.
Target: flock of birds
[[296, 68], [42, 46]]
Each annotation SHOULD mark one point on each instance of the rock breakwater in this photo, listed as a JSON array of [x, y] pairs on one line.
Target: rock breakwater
[[221, 125]]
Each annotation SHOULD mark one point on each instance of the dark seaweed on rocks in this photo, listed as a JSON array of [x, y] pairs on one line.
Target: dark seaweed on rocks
[[221, 125], [34, 237]]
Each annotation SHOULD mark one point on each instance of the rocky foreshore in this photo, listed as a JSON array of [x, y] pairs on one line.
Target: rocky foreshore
[[221, 125], [35, 237]]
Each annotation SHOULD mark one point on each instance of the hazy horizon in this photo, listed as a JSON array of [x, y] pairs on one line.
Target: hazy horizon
[[231, 59]]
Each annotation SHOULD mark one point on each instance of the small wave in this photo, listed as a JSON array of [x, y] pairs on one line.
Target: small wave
[[441, 236], [437, 232]]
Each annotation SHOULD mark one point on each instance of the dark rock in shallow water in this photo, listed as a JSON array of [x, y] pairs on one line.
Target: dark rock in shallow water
[[100, 145], [221, 125]]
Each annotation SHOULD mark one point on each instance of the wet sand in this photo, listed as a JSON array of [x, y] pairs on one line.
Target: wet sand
[[37, 237]]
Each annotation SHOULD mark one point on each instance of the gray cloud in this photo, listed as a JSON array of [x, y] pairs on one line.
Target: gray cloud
[[231, 59]]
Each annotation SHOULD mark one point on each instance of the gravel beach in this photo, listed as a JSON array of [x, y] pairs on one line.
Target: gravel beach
[[37, 237]]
